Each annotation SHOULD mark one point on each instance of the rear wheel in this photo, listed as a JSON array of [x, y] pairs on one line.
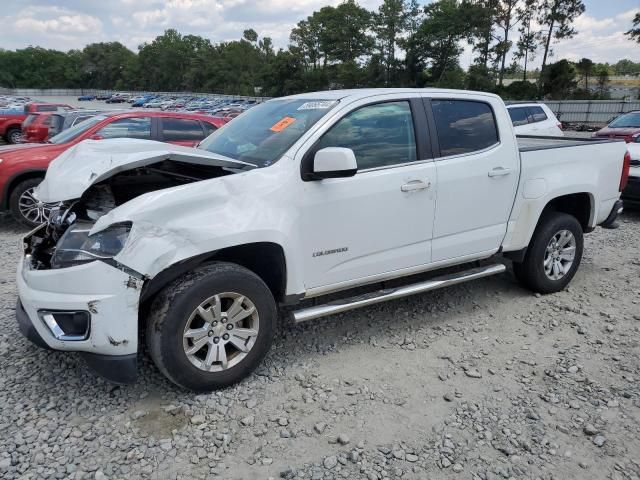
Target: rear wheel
[[25, 207], [212, 327], [13, 135], [554, 254]]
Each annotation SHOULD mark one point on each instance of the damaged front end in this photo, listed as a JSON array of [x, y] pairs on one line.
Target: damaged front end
[[66, 240], [73, 293]]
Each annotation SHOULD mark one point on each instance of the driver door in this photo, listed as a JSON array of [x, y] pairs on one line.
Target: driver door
[[379, 221]]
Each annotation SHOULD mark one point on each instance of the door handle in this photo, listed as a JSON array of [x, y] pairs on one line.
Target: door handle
[[499, 172], [415, 185]]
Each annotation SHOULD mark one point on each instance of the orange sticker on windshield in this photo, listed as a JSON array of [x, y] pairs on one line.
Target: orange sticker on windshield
[[282, 124]]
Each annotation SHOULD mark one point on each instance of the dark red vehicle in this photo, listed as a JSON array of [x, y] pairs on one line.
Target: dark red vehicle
[[625, 127], [22, 167], [10, 122]]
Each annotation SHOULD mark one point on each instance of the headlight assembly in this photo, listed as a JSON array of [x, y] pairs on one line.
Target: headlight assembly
[[77, 247]]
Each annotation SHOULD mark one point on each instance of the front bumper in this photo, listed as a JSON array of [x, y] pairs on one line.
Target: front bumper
[[109, 294]]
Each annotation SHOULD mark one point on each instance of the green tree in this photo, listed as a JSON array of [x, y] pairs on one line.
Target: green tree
[[391, 22], [506, 19], [634, 32], [558, 80], [437, 41], [585, 69], [556, 18], [527, 44], [106, 64]]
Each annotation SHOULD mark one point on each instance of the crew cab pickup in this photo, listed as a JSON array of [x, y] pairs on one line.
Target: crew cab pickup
[[289, 208]]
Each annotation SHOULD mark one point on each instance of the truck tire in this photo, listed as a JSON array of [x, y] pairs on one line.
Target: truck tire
[[13, 135], [554, 254], [24, 208], [211, 327]]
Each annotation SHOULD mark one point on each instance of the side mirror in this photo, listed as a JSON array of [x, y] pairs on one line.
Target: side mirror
[[95, 136], [334, 162]]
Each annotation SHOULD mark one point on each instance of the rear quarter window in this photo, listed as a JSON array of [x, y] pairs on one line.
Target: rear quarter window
[[464, 126], [537, 114]]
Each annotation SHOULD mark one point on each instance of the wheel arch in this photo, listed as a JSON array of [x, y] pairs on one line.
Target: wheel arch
[[265, 259], [580, 205], [15, 180]]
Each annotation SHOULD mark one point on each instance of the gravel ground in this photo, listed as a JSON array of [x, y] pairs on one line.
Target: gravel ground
[[480, 381]]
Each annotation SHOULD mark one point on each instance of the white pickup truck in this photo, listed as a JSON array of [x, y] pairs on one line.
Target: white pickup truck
[[299, 200]]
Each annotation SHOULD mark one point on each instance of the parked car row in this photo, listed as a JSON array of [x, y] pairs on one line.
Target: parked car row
[[22, 167], [11, 118], [220, 107]]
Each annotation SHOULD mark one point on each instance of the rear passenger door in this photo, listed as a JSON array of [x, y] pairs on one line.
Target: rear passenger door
[[181, 131], [477, 177]]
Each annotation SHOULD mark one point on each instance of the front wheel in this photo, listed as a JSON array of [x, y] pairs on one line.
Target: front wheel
[[212, 327], [13, 135], [554, 254]]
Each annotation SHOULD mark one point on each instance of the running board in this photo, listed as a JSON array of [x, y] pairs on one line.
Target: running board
[[366, 299]]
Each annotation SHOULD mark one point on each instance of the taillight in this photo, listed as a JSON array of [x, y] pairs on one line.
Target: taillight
[[624, 177], [628, 138]]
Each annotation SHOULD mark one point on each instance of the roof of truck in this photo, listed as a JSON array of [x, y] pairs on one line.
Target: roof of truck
[[357, 93]]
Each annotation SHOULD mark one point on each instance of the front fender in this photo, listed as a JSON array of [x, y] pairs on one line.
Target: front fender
[[176, 224]]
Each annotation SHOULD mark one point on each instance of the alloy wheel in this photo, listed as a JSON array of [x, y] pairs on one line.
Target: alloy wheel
[[559, 255], [221, 331], [33, 209]]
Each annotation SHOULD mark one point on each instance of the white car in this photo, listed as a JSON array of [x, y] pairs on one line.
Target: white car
[[310, 202], [534, 119]]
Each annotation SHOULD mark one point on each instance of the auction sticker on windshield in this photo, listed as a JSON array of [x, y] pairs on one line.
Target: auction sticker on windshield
[[282, 124], [318, 105]]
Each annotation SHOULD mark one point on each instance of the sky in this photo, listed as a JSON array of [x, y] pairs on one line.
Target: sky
[[72, 24]]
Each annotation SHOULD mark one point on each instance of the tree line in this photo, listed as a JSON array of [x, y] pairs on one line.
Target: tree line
[[346, 46]]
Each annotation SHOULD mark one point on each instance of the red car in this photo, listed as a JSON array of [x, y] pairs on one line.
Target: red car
[[625, 126], [10, 122], [22, 167]]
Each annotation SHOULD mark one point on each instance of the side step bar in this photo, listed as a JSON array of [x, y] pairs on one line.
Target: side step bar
[[364, 300]]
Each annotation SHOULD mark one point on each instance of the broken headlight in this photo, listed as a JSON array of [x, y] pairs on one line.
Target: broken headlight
[[76, 246]]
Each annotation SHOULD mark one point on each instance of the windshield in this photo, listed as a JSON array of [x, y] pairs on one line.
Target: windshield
[[261, 135], [629, 120], [75, 131]]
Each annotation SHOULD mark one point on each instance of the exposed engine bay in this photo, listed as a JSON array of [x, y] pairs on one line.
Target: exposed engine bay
[[100, 198]]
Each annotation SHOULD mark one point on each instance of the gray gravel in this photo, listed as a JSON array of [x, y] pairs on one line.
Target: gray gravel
[[480, 381]]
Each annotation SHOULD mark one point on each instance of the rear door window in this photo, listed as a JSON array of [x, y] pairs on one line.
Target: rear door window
[[519, 116], [537, 114], [464, 126], [178, 129], [134, 127]]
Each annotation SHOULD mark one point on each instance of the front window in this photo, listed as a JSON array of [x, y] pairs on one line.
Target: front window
[[264, 133], [380, 135], [77, 130], [629, 120]]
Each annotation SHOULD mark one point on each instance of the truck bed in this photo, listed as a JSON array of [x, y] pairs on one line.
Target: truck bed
[[528, 143]]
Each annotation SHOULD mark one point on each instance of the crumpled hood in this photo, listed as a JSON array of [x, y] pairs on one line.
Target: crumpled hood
[[92, 161]]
